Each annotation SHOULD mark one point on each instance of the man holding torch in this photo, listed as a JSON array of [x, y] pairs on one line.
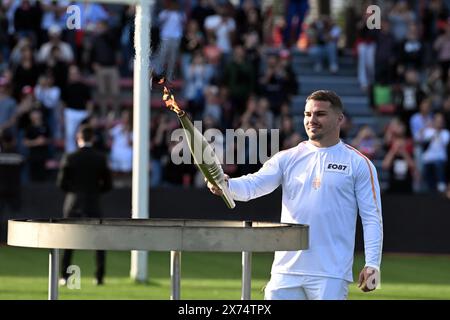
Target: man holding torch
[[325, 184]]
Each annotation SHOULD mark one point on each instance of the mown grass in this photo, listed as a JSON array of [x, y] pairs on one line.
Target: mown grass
[[24, 274]]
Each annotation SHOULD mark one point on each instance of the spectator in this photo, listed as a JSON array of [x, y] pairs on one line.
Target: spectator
[[191, 42], [7, 107], [11, 164], [198, 77], [213, 54], [49, 96], [291, 83], [99, 142], [37, 140], [161, 128], [367, 142], [27, 20], [223, 26], [239, 77], [398, 160], [202, 10], [248, 19], [366, 46], [446, 112], [448, 171], [265, 114], [177, 174], [401, 17], [274, 83], [16, 53], [433, 85], [421, 120], [385, 55], [77, 100], [104, 59], [324, 36], [127, 42], [4, 36], [26, 73], [84, 175], [251, 41], [434, 19], [171, 21], [26, 104], [418, 123], [435, 140], [442, 47], [346, 126], [411, 51], [299, 9], [409, 95], [212, 103], [59, 69], [66, 52], [54, 13], [287, 130], [92, 14], [121, 156]]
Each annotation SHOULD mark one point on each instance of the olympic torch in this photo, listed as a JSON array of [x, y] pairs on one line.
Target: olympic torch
[[204, 156]]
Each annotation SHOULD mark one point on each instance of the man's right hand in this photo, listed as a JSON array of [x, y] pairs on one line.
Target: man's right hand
[[216, 190]]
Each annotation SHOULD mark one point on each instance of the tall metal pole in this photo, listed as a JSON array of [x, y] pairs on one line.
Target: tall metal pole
[[141, 134], [246, 270], [175, 274], [53, 264]]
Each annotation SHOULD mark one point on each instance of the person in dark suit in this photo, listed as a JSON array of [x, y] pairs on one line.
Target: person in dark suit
[[84, 175]]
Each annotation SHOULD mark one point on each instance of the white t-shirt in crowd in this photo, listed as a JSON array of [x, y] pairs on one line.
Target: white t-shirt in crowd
[[437, 149], [222, 28], [121, 151], [171, 24]]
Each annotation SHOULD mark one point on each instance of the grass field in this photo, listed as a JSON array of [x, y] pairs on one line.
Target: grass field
[[23, 275]]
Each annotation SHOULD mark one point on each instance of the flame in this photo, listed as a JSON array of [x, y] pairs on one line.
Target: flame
[[169, 99]]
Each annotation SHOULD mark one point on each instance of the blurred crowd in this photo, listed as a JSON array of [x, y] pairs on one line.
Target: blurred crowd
[[229, 66], [404, 69]]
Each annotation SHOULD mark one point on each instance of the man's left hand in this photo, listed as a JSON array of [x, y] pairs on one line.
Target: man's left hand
[[369, 278]]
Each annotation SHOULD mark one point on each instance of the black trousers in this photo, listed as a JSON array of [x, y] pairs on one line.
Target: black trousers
[[100, 257]]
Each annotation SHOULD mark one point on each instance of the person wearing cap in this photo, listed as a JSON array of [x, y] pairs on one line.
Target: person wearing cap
[[54, 34]]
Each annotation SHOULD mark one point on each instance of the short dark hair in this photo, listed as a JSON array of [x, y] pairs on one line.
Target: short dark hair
[[327, 95], [86, 133]]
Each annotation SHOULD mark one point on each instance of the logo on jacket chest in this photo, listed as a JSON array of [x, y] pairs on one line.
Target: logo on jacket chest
[[337, 167]]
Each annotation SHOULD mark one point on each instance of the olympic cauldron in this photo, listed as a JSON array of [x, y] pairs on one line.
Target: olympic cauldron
[[172, 235]]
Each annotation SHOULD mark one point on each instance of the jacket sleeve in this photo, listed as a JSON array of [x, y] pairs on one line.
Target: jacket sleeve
[[106, 183], [63, 178], [367, 191], [258, 184]]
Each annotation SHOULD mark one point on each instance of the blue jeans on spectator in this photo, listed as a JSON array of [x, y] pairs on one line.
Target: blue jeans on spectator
[[434, 173], [297, 8], [156, 173], [326, 51]]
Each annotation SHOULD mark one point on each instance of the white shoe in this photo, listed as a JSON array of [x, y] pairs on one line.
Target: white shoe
[[334, 68], [441, 187]]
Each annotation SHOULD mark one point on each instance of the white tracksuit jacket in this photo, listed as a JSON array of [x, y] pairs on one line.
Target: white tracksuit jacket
[[323, 188]]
